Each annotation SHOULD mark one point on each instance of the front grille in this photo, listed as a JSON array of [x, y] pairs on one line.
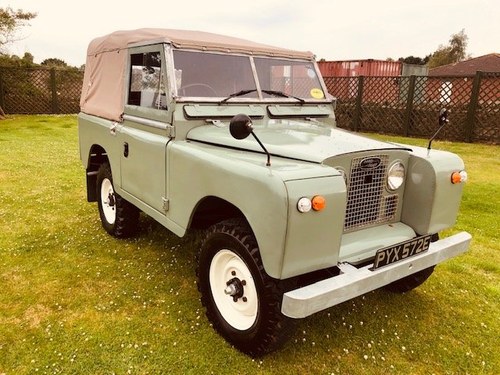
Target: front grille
[[367, 201]]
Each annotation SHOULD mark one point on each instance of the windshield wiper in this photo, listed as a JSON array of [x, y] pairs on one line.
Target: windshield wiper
[[283, 95], [239, 93]]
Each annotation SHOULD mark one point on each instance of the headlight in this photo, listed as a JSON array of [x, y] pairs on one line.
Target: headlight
[[396, 175]]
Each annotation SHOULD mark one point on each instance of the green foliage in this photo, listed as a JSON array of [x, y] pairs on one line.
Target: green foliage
[[15, 61], [75, 300], [454, 52], [414, 60], [10, 22], [54, 63]]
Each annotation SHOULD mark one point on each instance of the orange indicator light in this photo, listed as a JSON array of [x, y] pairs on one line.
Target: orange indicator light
[[458, 177], [318, 203]]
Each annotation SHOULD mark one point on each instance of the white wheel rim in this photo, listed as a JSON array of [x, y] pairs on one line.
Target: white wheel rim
[[226, 266], [108, 201]]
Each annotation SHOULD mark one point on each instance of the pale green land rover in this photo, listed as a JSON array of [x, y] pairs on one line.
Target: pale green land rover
[[299, 217]]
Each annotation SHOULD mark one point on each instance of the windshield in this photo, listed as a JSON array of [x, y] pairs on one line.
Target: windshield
[[212, 75], [199, 74], [294, 78]]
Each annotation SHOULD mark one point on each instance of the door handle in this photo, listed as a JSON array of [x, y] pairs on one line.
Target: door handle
[[125, 149]]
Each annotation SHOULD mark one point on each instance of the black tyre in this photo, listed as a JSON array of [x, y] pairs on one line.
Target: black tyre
[[118, 217], [410, 282], [241, 300]]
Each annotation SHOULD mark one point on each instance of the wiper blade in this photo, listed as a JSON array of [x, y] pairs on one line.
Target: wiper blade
[[239, 93], [283, 95]]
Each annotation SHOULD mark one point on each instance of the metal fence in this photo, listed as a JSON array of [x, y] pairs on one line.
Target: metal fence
[[395, 105], [409, 106], [37, 90]]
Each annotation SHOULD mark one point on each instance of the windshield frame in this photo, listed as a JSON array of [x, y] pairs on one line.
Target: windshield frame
[[169, 55]]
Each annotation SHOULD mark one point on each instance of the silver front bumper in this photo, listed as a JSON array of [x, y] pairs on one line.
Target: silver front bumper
[[353, 282]]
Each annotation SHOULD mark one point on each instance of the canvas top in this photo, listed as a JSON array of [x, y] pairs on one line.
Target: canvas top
[[103, 81], [189, 39]]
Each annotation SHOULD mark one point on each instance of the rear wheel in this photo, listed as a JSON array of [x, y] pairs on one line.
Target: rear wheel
[[241, 300], [118, 217]]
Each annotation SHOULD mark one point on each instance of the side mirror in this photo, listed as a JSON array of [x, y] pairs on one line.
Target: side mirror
[[443, 120], [443, 116], [240, 126]]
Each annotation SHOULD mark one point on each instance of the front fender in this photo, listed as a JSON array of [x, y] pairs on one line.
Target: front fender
[[197, 170]]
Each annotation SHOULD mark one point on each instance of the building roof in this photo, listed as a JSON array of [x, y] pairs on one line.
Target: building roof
[[485, 63]]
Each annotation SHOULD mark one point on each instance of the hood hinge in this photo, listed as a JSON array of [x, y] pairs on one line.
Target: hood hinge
[[166, 204]]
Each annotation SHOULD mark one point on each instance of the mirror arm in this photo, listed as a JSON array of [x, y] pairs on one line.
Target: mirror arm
[[443, 120], [435, 134], [268, 163]]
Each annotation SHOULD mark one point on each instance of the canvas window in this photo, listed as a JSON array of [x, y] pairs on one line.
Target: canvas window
[[146, 88]]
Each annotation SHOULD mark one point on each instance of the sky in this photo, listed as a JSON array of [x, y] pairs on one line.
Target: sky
[[331, 29]]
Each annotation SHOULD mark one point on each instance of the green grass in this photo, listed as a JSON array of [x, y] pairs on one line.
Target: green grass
[[75, 300]]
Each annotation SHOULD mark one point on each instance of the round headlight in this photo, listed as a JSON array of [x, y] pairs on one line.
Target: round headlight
[[396, 175], [304, 204]]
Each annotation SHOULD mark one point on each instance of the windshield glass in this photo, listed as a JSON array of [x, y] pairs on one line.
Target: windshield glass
[[294, 78], [199, 74], [213, 75]]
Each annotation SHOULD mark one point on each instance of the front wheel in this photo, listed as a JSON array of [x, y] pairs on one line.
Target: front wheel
[[410, 282], [241, 300], [118, 217]]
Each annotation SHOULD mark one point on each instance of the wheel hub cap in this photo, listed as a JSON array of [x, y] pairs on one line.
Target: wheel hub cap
[[233, 289], [108, 201]]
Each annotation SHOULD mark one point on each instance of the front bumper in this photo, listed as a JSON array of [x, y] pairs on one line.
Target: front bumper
[[353, 282]]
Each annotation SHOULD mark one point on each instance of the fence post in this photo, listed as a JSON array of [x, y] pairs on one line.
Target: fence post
[[53, 89], [409, 105], [2, 98], [473, 104], [359, 102]]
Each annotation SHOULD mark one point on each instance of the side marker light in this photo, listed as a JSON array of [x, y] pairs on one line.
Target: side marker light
[[304, 205]]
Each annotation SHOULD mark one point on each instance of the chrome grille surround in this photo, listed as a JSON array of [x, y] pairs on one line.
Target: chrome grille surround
[[368, 202]]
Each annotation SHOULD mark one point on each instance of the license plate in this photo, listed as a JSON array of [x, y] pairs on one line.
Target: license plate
[[400, 251]]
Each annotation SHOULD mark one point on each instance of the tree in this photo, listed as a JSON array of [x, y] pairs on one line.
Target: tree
[[454, 52], [17, 62], [414, 60], [54, 62], [10, 23]]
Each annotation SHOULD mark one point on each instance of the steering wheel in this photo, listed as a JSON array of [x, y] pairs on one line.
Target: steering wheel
[[204, 85]]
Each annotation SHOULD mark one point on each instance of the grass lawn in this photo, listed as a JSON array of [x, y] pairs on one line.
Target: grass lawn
[[75, 300]]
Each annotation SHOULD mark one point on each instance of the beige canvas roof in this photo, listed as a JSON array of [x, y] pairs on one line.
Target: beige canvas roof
[[103, 86]]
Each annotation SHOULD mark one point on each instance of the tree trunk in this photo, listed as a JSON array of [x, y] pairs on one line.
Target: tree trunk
[[2, 114]]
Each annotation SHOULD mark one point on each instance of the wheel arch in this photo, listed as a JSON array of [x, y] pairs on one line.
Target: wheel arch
[[211, 210], [96, 157]]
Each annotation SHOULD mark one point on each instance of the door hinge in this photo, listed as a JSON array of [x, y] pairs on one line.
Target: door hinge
[[170, 131], [166, 204], [114, 127]]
